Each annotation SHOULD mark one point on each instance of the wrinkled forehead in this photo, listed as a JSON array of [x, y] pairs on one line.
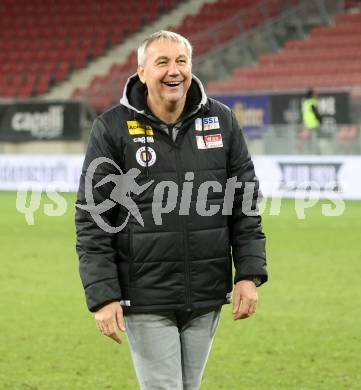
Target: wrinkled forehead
[[166, 48]]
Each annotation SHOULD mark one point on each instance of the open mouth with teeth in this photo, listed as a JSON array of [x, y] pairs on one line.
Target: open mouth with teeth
[[172, 83]]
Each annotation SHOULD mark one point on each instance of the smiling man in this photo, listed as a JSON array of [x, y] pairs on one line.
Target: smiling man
[[165, 284], [167, 73]]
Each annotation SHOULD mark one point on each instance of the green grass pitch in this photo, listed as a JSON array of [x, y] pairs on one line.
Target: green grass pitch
[[306, 334]]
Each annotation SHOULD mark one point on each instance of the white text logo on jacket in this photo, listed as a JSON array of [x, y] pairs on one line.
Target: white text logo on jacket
[[209, 123]]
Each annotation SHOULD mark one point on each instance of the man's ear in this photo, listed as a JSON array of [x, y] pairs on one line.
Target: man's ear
[[140, 71]]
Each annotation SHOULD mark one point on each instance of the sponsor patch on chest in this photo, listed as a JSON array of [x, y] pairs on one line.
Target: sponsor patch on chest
[[137, 128], [145, 156], [209, 141], [209, 123]]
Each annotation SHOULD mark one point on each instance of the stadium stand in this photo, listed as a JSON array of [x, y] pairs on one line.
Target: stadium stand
[[42, 42], [213, 25], [50, 51], [329, 57]]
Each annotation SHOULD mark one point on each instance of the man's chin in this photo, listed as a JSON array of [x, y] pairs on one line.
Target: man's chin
[[174, 98]]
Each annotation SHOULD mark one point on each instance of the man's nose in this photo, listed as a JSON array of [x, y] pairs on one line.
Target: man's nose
[[173, 68]]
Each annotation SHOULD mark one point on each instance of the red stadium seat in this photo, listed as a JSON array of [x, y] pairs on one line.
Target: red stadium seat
[[35, 34], [329, 57]]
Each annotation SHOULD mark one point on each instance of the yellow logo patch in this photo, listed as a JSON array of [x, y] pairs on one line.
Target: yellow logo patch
[[137, 128]]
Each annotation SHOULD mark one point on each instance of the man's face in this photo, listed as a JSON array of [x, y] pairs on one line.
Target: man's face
[[167, 72]]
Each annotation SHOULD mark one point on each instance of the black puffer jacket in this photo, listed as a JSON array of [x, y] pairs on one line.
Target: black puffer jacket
[[186, 261]]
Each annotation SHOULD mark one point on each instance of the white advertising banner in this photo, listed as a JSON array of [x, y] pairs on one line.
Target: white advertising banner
[[40, 172], [321, 176], [280, 176]]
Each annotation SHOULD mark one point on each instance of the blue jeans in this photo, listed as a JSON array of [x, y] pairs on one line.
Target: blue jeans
[[170, 349]]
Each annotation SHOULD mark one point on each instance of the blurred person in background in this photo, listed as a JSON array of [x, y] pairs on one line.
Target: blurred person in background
[[312, 122], [165, 285]]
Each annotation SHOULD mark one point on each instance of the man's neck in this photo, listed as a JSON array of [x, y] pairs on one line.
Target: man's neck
[[166, 113]]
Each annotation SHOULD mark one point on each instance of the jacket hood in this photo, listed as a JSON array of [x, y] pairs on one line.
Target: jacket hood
[[135, 92]]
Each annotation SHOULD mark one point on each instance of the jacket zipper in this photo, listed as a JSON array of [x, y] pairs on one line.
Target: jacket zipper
[[185, 240], [130, 250]]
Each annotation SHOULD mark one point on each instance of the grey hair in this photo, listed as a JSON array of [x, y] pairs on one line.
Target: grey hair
[[158, 36]]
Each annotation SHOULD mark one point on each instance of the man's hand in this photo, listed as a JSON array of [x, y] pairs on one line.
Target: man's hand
[[245, 299], [109, 320]]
